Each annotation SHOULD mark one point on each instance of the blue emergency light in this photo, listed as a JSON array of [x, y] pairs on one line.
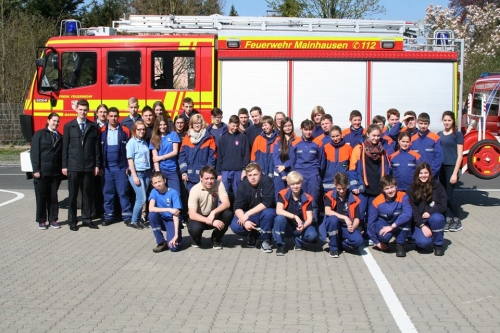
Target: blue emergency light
[[70, 28], [485, 74]]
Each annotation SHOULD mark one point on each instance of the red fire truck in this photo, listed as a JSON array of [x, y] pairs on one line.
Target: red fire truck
[[277, 63], [481, 125]]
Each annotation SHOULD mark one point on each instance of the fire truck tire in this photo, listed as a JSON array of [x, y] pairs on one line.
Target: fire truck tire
[[484, 159]]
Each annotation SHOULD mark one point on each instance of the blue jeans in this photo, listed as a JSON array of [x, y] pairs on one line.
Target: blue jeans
[[264, 220], [140, 193], [285, 228]]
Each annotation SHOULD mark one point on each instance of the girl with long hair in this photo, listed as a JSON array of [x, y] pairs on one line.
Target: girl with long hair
[[428, 199], [452, 142], [165, 148], [281, 155]]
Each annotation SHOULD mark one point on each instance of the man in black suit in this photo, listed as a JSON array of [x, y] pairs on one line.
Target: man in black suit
[[81, 162]]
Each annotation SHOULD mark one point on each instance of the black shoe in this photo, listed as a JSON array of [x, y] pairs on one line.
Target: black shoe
[[252, 239], [161, 247], [280, 250], [438, 250], [334, 254], [142, 225], [400, 250], [91, 225], [106, 223], [73, 228], [135, 226], [127, 223]]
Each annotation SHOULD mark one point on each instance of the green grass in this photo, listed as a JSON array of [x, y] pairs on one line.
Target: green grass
[[11, 154]]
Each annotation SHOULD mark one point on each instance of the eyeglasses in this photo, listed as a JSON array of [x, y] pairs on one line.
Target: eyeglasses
[[197, 123], [140, 129]]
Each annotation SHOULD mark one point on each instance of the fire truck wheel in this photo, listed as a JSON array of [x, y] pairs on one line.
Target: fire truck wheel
[[484, 159]]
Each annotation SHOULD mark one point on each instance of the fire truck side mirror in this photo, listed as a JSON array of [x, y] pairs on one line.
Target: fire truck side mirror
[[40, 62]]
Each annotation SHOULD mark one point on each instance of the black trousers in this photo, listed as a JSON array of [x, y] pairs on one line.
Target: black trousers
[[85, 181], [47, 202], [196, 228]]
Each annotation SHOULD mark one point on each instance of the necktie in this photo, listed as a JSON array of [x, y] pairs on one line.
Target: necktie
[[82, 127], [54, 134]]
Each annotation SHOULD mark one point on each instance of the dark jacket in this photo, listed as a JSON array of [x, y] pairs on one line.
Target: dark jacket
[[437, 205], [79, 153], [45, 153], [247, 196], [123, 137]]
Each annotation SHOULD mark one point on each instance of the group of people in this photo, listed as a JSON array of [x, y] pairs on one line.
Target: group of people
[[258, 177]]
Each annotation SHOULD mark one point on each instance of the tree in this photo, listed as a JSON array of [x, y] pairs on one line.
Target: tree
[[102, 14], [233, 11], [459, 6], [53, 9], [479, 28], [289, 8], [177, 7], [341, 9]]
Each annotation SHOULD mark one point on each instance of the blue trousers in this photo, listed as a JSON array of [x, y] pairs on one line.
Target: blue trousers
[[436, 224], [337, 232], [264, 220], [231, 180], [173, 180], [285, 228], [140, 193], [116, 183], [279, 184], [401, 233], [312, 186], [156, 221]]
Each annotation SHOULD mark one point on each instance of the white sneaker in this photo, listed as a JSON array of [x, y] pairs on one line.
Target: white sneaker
[[266, 247]]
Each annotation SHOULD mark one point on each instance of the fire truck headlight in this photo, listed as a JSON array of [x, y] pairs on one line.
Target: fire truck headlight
[[387, 44]]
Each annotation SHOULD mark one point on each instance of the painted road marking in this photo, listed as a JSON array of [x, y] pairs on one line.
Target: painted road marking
[[391, 299], [19, 196]]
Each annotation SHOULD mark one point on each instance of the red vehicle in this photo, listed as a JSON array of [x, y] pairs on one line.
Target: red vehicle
[[481, 126], [278, 63]]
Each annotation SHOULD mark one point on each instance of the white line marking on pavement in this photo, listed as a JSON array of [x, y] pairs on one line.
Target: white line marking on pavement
[[391, 299], [478, 300], [19, 196]]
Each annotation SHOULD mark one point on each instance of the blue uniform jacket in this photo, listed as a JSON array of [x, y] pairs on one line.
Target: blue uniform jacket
[[193, 157], [217, 132], [337, 157], [306, 156], [403, 163], [276, 156], [262, 152], [123, 137], [428, 145], [398, 211]]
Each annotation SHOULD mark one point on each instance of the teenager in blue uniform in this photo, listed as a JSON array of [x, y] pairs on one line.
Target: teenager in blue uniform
[[262, 149], [341, 218], [368, 164], [428, 144], [256, 128], [217, 128], [281, 154], [428, 199], [294, 215], [165, 148], [197, 150], [254, 208], [133, 108], [390, 215], [337, 156], [46, 162], [404, 161], [355, 134], [232, 156], [452, 141], [114, 138], [326, 126], [308, 158], [164, 208]]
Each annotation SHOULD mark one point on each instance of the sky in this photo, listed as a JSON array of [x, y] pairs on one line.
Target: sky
[[407, 10]]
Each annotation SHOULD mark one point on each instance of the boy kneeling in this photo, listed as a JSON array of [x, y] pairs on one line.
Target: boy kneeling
[[164, 208], [294, 215]]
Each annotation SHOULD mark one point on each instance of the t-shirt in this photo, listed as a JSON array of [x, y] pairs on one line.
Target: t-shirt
[[449, 143], [166, 147], [138, 151], [203, 200], [169, 199]]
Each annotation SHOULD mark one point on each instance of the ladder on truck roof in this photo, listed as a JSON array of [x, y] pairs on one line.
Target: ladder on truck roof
[[168, 24]]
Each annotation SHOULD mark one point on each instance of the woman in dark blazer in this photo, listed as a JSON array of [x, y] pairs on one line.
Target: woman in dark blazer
[[46, 160]]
